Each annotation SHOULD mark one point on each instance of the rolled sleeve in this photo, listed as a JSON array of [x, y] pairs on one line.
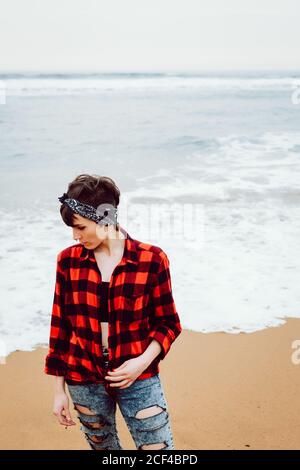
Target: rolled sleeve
[[165, 322], [55, 363]]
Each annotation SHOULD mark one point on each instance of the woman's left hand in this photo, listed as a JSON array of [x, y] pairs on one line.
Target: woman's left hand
[[124, 375]]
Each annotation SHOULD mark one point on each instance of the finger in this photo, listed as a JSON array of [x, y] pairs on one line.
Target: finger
[[116, 378], [115, 372], [69, 417], [124, 382], [128, 385], [63, 419]]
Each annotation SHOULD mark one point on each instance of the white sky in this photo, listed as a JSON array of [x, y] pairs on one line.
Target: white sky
[[133, 35]]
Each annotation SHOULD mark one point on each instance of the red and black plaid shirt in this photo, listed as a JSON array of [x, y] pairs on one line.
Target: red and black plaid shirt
[[141, 308]]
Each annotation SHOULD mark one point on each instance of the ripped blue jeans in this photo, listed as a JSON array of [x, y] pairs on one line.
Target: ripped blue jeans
[[142, 405]]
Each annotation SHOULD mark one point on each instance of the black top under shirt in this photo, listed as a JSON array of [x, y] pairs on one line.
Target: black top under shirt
[[104, 301]]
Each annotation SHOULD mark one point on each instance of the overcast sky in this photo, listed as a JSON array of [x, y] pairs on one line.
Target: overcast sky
[[133, 35]]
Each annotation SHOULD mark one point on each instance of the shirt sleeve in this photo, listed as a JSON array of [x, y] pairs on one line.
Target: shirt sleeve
[[165, 320], [59, 328]]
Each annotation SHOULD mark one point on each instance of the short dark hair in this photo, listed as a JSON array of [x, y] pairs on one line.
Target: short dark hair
[[93, 190]]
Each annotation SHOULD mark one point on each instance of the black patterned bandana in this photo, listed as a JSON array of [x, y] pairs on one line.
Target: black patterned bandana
[[104, 214]]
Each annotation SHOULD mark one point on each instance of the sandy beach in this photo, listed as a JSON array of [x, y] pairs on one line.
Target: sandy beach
[[223, 391]]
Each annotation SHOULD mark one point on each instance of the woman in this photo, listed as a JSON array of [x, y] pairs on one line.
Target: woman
[[113, 320]]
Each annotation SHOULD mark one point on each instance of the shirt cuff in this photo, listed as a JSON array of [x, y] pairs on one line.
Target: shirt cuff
[[165, 338], [55, 366]]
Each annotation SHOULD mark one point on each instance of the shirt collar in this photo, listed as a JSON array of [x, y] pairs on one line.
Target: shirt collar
[[130, 250]]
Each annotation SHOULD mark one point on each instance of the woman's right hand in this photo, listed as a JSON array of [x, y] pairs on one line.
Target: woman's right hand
[[61, 409]]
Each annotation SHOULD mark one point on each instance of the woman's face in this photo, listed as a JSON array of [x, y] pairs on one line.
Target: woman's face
[[88, 232]]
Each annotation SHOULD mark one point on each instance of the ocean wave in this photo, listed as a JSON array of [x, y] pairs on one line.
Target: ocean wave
[[70, 84]]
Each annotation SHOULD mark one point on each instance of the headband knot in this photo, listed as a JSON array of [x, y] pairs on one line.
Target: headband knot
[[63, 198], [102, 215]]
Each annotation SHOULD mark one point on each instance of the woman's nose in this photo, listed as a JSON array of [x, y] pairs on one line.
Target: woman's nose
[[75, 236]]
